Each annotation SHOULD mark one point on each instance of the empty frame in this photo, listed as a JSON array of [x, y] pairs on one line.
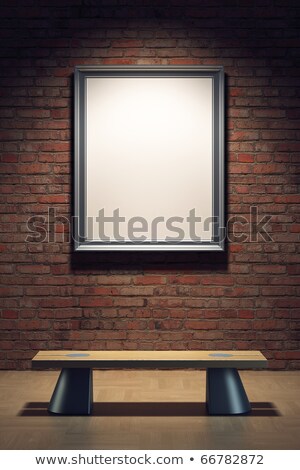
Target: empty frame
[[149, 158]]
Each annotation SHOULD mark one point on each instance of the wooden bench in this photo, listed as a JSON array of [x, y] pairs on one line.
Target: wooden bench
[[73, 394]]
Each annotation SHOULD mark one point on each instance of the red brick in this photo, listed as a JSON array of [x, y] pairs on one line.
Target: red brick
[[185, 61], [60, 313], [168, 325], [55, 147], [128, 302], [240, 168], [58, 302], [9, 314], [184, 279], [112, 279], [33, 269], [171, 52], [243, 135], [11, 291], [96, 301], [158, 43], [96, 291], [34, 325], [138, 291], [245, 158], [269, 324], [269, 269], [293, 269], [287, 199], [200, 325], [269, 113], [63, 113], [33, 113], [236, 325], [9, 158], [125, 43], [54, 199], [35, 168], [149, 280], [117, 62], [224, 280]]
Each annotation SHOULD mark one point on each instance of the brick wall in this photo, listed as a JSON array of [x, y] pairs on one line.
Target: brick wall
[[244, 298]]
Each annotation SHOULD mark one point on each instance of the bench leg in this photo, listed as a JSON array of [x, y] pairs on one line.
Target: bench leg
[[73, 393], [225, 394]]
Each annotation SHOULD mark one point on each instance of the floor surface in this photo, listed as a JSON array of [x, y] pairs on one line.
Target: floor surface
[[152, 409]]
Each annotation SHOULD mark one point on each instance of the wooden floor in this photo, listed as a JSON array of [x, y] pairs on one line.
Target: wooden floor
[[149, 410]]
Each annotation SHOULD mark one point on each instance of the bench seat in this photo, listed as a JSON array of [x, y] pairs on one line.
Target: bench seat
[[73, 394], [149, 359]]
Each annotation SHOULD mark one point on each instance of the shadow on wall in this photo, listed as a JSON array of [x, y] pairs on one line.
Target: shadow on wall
[[132, 261]]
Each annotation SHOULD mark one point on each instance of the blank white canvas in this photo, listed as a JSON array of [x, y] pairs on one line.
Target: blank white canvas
[[149, 150]]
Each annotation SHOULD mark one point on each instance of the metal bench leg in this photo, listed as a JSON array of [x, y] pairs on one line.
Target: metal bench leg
[[225, 394], [73, 393]]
